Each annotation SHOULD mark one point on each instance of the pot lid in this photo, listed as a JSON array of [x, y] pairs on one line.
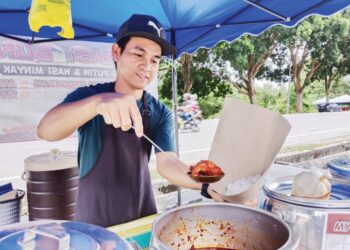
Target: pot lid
[[340, 167], [45, 235], [281, 189], [53, 160]]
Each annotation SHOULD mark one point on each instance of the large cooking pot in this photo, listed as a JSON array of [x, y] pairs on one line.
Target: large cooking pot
[[59, 235], [319, 223], [220, 225]]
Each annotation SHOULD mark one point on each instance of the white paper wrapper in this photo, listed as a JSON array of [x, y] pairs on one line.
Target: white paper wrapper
[[246, 142]]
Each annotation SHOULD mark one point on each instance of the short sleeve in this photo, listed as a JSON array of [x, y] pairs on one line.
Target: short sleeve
[[164, 132], [78, 94]]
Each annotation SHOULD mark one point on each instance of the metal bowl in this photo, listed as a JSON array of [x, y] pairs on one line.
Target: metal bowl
[[220, 225]]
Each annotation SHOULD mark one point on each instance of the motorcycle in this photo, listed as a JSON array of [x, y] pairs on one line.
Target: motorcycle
[[189, 122]]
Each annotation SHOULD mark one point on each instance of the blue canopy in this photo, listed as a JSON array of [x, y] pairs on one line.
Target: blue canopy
[[190, 24]]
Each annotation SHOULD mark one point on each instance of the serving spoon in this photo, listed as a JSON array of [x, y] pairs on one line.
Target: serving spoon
[[200, 179]]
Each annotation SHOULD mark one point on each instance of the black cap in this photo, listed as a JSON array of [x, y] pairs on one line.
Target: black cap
[[146, 27]]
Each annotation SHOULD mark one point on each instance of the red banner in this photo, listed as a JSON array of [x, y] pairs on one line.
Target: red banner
[[338, 224]]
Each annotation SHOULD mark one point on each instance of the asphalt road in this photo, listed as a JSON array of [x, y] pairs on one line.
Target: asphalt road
[[306, 129]]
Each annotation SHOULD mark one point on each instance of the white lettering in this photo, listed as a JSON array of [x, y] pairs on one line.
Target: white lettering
[[342, 226], [59, 71], [22, 70]]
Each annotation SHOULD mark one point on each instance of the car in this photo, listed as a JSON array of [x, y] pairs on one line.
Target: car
[[328, 107]]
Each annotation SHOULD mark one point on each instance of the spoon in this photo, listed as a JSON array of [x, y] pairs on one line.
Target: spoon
[[200, 179], [169, 156]]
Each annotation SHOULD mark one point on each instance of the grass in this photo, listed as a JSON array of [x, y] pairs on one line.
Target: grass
[[301, 148]]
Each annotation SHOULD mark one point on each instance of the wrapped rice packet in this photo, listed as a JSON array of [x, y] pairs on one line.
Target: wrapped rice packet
[[312, 184]]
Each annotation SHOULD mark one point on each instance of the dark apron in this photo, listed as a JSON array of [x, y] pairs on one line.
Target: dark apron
[[118, 188]]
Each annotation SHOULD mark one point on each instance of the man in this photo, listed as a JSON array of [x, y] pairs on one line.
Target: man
[[113, 159]]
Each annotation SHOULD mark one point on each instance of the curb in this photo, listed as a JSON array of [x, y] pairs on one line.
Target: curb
[[296, 157]]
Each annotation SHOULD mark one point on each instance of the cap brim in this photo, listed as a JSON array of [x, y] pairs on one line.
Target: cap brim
[[167, 48]]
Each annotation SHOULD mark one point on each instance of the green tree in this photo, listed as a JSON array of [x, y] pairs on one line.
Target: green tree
[[203, 81], [308, 44], [334, 55], [246, 57]]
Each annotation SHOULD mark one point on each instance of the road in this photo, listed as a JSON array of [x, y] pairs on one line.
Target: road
[[306, 129]]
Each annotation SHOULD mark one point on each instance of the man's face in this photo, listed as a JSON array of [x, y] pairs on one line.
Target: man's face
[[138, 65]]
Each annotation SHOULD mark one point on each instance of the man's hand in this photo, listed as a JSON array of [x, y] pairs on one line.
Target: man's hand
[[121, 111], [215, 195]]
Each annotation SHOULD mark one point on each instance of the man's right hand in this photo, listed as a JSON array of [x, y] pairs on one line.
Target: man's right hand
[[121, 111]]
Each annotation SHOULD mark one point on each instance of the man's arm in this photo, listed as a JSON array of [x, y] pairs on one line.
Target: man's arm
[[175, 171], [116, 109], [62, 120]]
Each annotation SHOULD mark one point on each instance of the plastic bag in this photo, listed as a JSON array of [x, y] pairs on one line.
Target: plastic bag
[[312, 184], [52, 13]]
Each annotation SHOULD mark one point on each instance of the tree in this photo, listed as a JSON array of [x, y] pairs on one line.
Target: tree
[[186, 63], [307, 45], [246, 57], [334, 56], [203, 81]]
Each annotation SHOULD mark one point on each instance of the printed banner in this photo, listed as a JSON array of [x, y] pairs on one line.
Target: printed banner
[[36, 77]]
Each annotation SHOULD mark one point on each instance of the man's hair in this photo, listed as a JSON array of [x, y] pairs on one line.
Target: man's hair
[[122, 45]]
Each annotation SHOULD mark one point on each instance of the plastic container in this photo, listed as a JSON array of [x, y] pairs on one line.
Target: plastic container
[[10, 210], [340, 167]]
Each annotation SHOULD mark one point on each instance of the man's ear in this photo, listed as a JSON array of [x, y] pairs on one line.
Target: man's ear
[[115, 52]]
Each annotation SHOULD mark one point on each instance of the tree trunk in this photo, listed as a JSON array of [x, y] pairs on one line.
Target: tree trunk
[[299, 107], [327, 86], [298, 68], [251, 91], [186, 70]]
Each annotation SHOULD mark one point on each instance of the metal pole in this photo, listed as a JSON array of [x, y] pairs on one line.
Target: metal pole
[[289, 82], [176, 125], [174, 89]]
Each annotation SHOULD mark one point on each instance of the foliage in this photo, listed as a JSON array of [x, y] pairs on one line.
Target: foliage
[[240, 62], [319, 47], [205, 83], [210, 106], [334, 55]]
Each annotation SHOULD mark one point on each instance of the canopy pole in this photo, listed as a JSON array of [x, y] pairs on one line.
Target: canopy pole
[[176, 125], [267, 10], [175, 106]]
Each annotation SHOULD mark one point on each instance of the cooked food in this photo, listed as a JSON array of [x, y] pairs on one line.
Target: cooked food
[[206, 168], [211, 248], [313, 184]]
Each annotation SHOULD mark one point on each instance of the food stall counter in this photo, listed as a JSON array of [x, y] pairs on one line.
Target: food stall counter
[[136, 231]]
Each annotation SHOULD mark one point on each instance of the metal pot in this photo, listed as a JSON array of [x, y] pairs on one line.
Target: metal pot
[[54, 234], [315, 221], [220, 225]]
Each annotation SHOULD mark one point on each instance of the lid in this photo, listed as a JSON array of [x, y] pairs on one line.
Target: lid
[[340, 167], [59, 235], [281, 189], [53, 160]]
